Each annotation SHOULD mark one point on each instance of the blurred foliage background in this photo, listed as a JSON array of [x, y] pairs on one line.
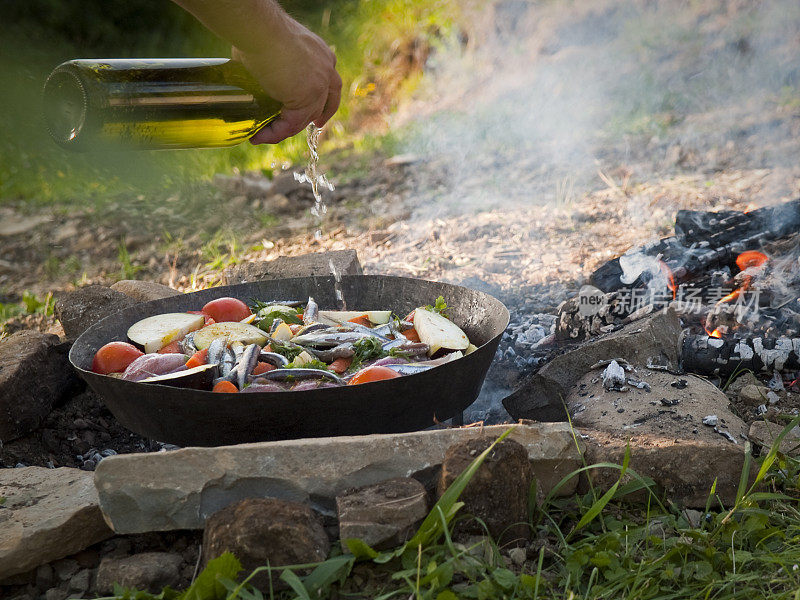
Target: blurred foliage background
[[381, 47]]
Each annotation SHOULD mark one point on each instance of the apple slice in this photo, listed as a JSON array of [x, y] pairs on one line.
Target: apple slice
[[439, 332], [337, 317], [232, 331], [153, 333]]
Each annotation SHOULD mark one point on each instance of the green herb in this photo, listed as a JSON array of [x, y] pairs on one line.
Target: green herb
[[366, 349], [265, 322], [314, 364], [289, 350], [440, 307]]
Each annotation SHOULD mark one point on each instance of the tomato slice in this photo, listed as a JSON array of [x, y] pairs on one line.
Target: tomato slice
[[115, 357], [171, 348], [226, 310], [340, 365], [411, 335], [361, 320], [373, 373]]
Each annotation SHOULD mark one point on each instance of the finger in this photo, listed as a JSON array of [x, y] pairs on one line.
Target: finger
[[291, 122], [331, 105]]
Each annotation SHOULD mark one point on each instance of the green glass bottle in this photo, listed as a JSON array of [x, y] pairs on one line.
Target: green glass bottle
[[154, 103]]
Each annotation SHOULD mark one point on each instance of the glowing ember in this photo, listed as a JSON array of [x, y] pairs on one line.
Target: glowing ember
[[751, 258]]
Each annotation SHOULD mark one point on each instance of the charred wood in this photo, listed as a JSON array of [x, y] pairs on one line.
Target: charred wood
[[721, 228], [706, 355]]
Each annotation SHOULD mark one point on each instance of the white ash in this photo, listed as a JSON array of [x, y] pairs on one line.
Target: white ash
[[637, 383], [613, 376], [726, 435], [776, 382], [773, 397], [710, 420], [761, 410]]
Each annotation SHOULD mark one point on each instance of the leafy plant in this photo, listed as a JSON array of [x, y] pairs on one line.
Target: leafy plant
[[439, 307]]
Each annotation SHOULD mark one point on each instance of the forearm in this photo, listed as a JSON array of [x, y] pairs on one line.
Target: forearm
[[250, 25]]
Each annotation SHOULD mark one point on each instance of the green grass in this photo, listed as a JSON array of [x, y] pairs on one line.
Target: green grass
[[585, 547]]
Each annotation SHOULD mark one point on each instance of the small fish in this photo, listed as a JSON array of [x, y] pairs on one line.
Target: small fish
[[311, 312], [410, 368], [329, 339], [227, 363], [187, 345], [341, 351], [273, 358], [216, 351], [277, 321], [374, 332], [406, 348], [313, 327], [247, 363], [300, 374]]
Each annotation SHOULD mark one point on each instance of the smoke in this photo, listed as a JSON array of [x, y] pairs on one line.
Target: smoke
[[545, 95]]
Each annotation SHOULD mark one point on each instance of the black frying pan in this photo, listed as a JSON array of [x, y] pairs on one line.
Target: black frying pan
[[190, 417]]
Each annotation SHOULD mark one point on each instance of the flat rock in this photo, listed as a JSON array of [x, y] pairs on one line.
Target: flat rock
[[144, 291], [498, 492], [261, 531], [764, 433], [306, 265], [34, 374], [383, 515], [654, 338], [674, 407], [754, 395], [84, 307], [47, 514], [684, 470], [181, 489], [149, 571]]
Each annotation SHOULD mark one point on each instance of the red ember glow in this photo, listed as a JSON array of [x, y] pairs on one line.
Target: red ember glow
[[751, 258]]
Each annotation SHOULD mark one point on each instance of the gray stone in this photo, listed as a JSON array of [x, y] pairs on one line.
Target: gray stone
[[744, 379], [306, 265], [144, 291], [753, 395], [82, 308], [81, 581], [150, 571], [34, 374], [261, 531], [683, 469], [383, 515], [180, 489], [48, 514], [55, 594], [45, 577], [764, 433], [498, 492], [654, 338], [518, 556], [667, 410], [66, 568]]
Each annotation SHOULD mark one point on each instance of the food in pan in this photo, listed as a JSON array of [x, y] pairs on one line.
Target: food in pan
[[230, 347]]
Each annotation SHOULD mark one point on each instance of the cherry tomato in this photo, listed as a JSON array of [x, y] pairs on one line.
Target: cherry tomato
[[373, 373], [115, 357], [226, 309]]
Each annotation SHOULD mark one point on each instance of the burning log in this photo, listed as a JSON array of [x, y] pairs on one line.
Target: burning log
[[724, 227], [715, 356], [698, 247]]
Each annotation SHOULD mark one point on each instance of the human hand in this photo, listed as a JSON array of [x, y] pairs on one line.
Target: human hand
[[297, 69]]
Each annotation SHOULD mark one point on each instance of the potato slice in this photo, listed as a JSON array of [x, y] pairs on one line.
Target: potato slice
[[153, 333], [232, 331], [334, 317], [438, 332]]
